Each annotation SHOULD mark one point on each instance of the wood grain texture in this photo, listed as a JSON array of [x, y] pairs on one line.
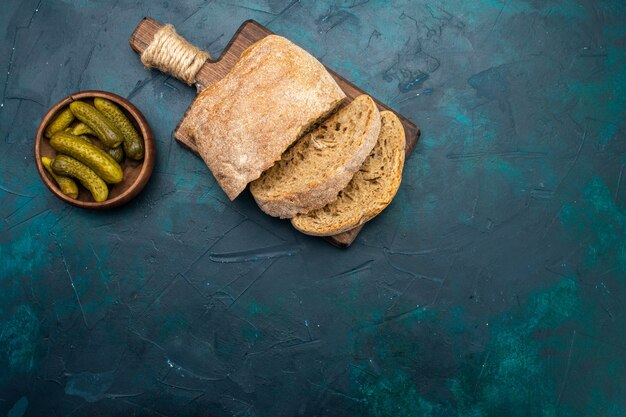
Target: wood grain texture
[[216, 69]]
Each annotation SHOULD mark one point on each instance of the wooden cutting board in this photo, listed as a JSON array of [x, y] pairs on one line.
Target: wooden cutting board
[[214, 70]]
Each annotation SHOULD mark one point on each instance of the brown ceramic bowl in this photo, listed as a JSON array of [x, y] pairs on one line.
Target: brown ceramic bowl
[[136, 173]]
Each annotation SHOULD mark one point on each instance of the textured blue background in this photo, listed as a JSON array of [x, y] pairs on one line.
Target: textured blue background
[[493, 285]]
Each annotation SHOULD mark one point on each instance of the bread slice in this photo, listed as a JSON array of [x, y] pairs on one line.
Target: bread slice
[[244, 122], [312, 172], [371, 189]]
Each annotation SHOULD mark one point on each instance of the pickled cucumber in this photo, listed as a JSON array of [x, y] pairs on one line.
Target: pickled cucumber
[[133, 144], [63, 120], [116, 153], [82, 129], [66, 184], [87, 139], [66, 165], [104, 129], [95, 158]]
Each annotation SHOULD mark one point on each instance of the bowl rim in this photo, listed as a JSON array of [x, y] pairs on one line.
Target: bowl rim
[[147, 165]]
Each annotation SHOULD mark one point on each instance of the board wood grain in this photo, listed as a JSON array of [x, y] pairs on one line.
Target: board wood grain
[[214, 70]]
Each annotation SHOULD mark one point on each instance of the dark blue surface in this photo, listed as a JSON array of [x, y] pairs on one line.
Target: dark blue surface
[[493, 285]]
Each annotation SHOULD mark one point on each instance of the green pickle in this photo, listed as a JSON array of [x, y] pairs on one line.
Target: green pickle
[[133, 143], [68, 166], [62, 121], [86, 138], [104, 129], [66, 184], [82, 129], [116, 153], [95, 158]]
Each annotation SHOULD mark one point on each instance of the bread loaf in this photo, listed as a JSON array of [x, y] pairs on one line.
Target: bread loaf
[[313, 171], [371, 189], [243, 123]]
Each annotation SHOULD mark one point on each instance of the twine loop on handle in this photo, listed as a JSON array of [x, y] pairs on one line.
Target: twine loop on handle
[[171, 53]]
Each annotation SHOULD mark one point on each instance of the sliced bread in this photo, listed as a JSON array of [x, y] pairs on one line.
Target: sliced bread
[[371, 189], [311, 173], [244, 122]]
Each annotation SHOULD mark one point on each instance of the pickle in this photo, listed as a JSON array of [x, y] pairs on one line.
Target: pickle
[[82, 129], [66, 165], [63, 120], [104, 129], [86, 139], [133, 144], [95, 158], [116, 153], [66, 184]]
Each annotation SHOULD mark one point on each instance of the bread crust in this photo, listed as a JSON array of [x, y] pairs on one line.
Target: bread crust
[[243, 123], [318, 193], [363, 213]]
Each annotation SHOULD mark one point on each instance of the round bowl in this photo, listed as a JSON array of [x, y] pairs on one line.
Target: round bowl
[[136, 173]]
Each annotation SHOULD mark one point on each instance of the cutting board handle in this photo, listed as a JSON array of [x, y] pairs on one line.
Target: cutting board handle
[[161, 47], [213, 70]]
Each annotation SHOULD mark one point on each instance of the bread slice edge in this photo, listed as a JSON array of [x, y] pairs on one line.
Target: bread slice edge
[[324, 192], [372, 211]]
